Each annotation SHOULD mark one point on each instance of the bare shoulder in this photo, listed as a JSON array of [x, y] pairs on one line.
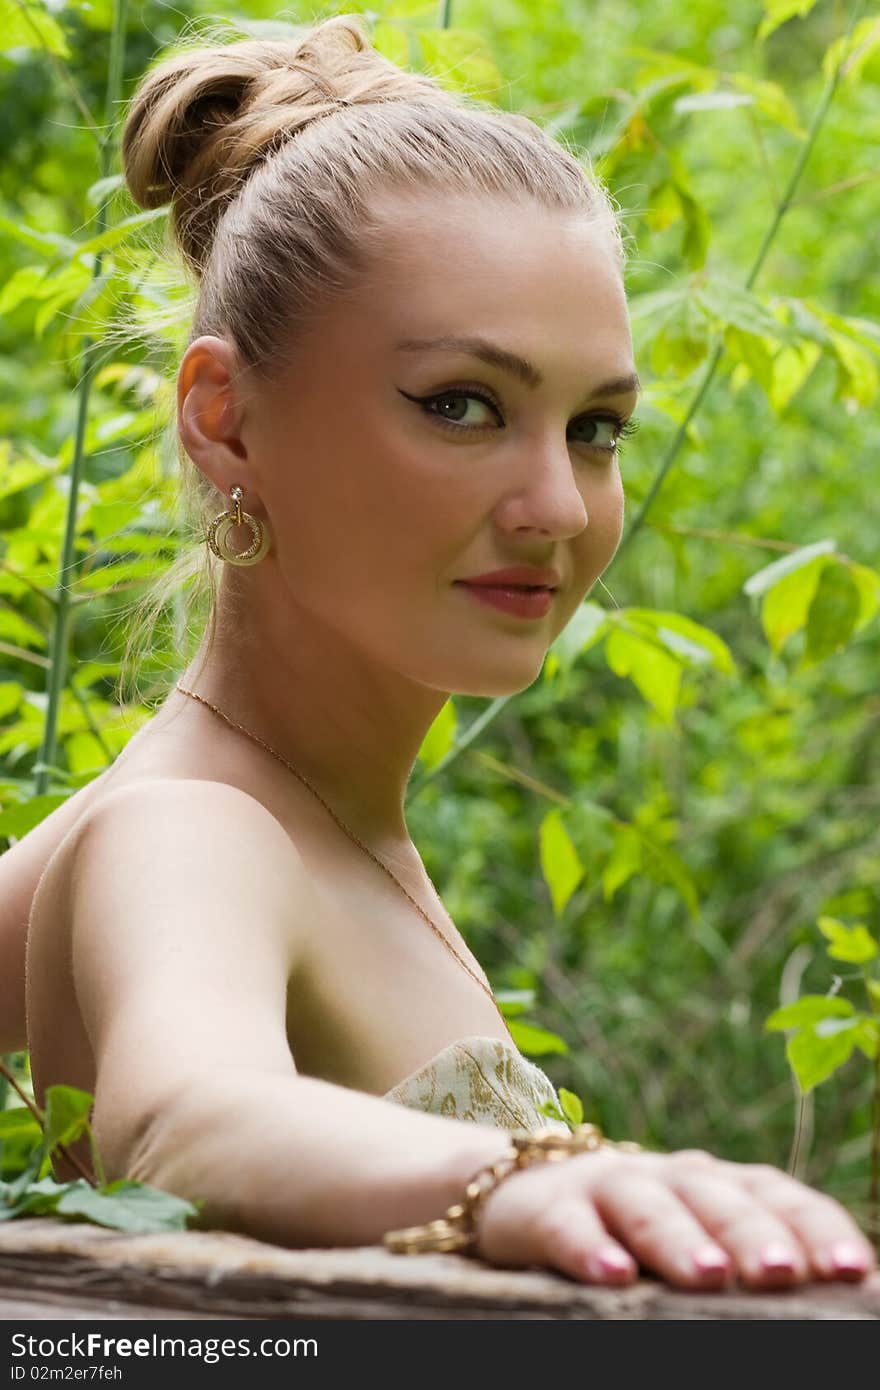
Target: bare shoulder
[[176, 836], [177, 855], [182, 903]]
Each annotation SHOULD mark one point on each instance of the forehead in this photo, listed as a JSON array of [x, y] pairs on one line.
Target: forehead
[[543, 278]]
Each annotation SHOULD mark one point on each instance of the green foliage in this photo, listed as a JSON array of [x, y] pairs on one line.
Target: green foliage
[[27, 1146], [633, 843], [827, 1029]]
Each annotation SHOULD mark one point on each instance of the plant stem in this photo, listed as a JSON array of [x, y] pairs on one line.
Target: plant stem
[[59, 637], [709, 372], [41, 1121]]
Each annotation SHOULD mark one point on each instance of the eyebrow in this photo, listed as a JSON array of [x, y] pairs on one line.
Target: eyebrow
[[520, 367]]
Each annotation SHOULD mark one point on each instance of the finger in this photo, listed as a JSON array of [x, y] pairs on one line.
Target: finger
[[765, 1250], [834, 1245], [658, 1228], [566, 1234], [573, 1238]]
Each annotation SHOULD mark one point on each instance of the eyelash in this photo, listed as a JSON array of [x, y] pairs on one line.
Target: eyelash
[[625, 427]]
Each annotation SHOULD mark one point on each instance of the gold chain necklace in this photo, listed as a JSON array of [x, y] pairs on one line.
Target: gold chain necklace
[[351, 835]]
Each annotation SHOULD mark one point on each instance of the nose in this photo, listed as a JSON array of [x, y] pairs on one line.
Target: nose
[[548, 490]]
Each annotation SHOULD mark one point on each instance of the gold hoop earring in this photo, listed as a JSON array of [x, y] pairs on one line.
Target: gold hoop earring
[[218, 533]]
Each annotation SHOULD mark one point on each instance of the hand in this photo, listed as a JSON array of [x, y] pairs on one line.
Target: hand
[[694, 1220]]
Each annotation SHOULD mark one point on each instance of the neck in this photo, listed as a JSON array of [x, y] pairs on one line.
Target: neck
[[351, 728]]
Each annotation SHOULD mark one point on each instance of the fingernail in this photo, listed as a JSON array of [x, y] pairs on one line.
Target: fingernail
[[610, 1260], [778, 1256], [711, 1259], [848, 1258]]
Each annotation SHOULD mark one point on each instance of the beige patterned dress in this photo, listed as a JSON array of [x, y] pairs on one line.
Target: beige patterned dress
[[486, 1080]]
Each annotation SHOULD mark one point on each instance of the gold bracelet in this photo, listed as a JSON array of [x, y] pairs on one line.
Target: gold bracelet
[[457, 1230]]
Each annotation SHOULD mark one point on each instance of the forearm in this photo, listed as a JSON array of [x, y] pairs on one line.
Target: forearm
[[302, 1162]]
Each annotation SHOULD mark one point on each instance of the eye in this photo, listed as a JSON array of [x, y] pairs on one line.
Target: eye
[[619, 430], [446, 408]]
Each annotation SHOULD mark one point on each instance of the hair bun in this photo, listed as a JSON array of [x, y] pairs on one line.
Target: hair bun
[[202, 119]]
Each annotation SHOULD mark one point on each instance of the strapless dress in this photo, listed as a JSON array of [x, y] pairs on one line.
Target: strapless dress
[[483, 1079]]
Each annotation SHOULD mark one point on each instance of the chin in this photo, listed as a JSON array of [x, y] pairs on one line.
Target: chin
[[491, 688]]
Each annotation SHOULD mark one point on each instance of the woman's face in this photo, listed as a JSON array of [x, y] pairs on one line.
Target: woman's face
[[388, 471]]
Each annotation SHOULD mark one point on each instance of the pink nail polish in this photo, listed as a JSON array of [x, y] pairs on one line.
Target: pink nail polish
[[711, 1259], [613, 1261], [778, 1256], [848, 1259]]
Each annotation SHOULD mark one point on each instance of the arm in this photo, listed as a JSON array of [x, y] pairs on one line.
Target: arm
[[183, 944], [21, 866]]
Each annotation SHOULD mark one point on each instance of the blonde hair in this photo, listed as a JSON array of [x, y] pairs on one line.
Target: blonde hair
[[272, 207]]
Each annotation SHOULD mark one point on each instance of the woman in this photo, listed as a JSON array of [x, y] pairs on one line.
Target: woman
[[409, 369]]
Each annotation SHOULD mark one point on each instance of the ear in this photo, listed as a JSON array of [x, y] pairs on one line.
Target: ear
[[210, 412]]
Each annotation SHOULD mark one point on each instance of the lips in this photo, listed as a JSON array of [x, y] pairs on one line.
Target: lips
[[518, 588], [522, 577]]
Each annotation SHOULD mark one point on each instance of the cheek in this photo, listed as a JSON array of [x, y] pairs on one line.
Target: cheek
[[604, 502]]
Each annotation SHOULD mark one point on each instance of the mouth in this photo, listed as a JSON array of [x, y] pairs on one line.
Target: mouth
[[517, 600], [516, 588]]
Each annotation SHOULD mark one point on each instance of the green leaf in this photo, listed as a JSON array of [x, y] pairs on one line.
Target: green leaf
[[853, 944], [25, 24], [560, 864], [16, 474], [858, 379], [535, 1042], [572, 1106], [874, 991], [103, 189], [66, 1116], [726, 302], [47, 243], [120, 231], [852, 51], [17, 818], [664, 866], [20, 1137], [792, 365], [867, 581], [833, 612], [25, 1197], [770, 99], [776, 12], [787, 605], [23, 285], [440, 736], [126, 1206], [587, 625], [551, 1110], [683, 637], [655, 674], [697, 227], [97, 14], [814, 1056], [764, 579], [868, 1037], [809, 1009], [624, 861]]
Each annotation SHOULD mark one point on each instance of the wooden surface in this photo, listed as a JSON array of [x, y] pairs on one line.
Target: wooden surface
[[56, 1269]]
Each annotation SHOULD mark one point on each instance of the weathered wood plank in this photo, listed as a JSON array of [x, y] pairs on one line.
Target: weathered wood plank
[[220, 1274]]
